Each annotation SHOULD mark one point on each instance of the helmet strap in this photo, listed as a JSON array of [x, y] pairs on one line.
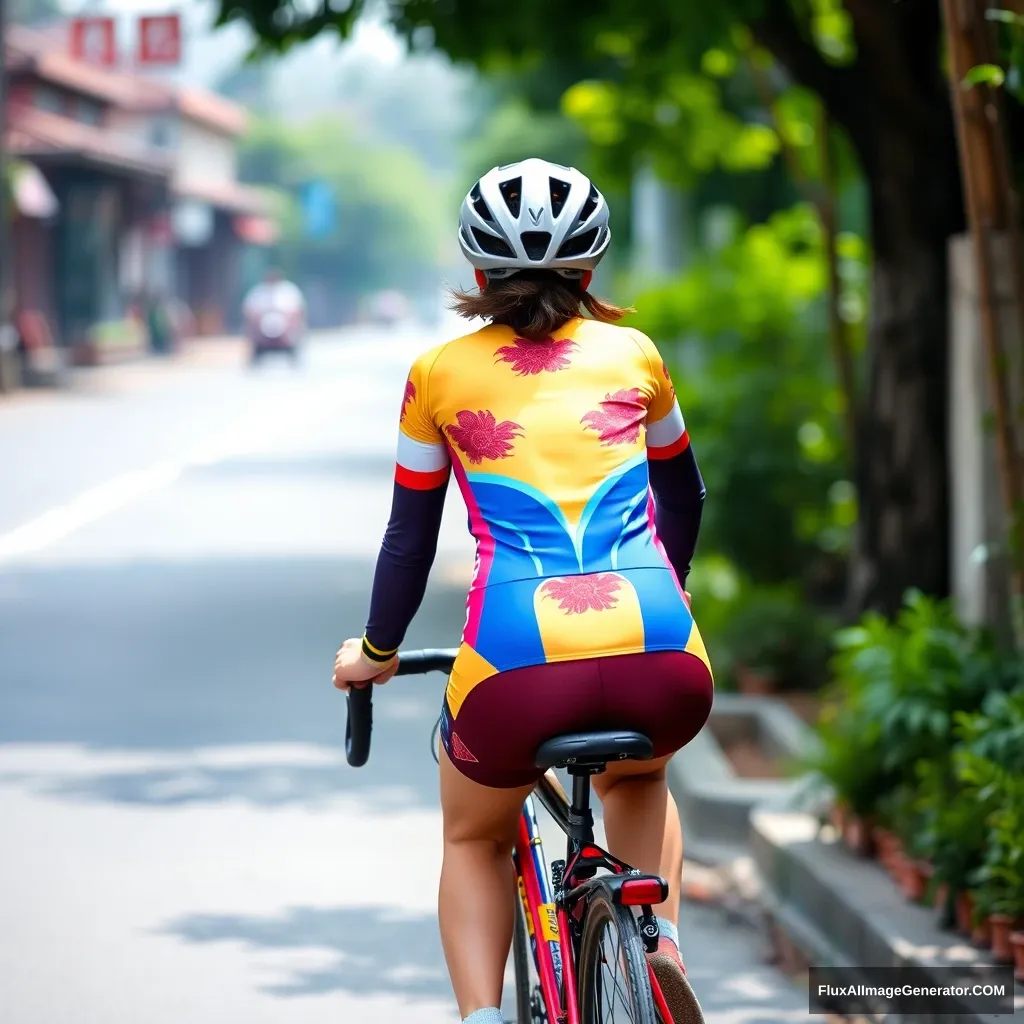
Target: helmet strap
[[481, 279], [585, 280]]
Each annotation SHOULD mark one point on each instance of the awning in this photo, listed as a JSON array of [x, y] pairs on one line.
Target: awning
[[256, 230], [33, 196]]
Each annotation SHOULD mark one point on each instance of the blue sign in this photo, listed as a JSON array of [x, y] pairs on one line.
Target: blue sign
[[319, 210]]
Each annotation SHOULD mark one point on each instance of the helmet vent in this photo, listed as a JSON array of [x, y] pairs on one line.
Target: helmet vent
[[559, 194], [479, 204], [590, 205], [512, 193], [536, 244], [492, 245], [579, 245]]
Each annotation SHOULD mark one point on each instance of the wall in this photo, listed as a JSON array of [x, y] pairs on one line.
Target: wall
[[202, 156], [205, 157]]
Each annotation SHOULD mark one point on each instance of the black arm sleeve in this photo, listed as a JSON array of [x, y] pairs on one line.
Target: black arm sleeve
[[403, 565], [678, 503]]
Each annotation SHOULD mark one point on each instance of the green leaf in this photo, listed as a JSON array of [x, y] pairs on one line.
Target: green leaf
[[984, 74], [1006, 17]]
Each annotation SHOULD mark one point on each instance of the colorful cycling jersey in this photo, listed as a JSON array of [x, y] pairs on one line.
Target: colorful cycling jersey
[[549, 442]]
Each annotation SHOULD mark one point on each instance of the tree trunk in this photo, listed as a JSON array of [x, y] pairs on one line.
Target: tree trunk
[[893, 102], [901, 467]]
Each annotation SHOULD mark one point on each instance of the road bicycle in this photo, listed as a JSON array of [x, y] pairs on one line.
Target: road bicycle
[[581, 931]]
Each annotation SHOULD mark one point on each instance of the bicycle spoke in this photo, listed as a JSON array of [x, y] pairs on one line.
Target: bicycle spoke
[[614, 991], [614, 984]]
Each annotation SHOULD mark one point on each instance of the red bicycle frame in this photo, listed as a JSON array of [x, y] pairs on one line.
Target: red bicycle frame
[[550, 916]]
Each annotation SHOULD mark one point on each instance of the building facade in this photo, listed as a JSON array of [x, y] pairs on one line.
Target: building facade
[[125, 196]]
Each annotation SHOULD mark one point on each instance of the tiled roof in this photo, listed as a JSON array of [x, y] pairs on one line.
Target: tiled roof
[[39, 133], [213, 110], [45, 55]]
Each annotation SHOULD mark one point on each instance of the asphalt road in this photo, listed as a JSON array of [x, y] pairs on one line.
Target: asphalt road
[[180, 554]]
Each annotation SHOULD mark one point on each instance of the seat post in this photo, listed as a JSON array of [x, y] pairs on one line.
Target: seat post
[[581, 817]]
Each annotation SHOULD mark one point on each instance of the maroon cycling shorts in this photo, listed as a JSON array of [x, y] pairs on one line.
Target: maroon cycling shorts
[[666, 695]]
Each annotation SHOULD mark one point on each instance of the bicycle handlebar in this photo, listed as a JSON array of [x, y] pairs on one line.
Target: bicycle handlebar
[[415, 663], [359, 726]]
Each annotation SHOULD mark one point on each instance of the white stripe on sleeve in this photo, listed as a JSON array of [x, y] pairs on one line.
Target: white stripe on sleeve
[[667, 430], [419, 456]]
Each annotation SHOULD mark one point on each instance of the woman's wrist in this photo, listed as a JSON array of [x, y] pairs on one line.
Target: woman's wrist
[[376, 655]]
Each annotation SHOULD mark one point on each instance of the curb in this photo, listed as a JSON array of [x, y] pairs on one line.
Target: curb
[[840, 911], [714, 802]]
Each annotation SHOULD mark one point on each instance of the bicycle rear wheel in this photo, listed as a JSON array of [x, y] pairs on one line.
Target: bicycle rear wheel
[[614, 987]]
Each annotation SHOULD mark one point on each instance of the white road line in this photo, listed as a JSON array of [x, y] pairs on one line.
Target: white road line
[[246, 438], [99, 501]]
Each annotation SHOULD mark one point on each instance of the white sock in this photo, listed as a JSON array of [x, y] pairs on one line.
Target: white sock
[[668, 930], [488, 1015]]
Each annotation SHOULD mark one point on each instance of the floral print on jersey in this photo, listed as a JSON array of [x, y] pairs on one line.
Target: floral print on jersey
[[410, 394], [668, 377], [528, 357], [619, 418], [479, 436], [578, 594]]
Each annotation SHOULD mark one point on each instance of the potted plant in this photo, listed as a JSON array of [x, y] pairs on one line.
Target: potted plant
[[848, 757], [1003, 871], [964, 909], [1017, 942], [956, 843], [774, 641], [991, 768], [888, 848]]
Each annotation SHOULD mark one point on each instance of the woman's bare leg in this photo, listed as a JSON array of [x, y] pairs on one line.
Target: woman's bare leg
[[477, 895], [641, 821]]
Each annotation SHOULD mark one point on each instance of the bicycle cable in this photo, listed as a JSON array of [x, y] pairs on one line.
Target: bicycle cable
[[433, 740]]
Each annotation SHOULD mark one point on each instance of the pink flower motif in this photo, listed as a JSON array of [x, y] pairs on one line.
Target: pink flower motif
[[668, 377], [577, 594], [410, 394], [479, 436], [532, 357], [619, 417]]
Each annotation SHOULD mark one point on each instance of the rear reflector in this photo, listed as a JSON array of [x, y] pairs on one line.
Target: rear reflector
[[643, 892]]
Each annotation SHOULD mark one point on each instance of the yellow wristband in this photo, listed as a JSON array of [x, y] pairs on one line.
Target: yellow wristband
[[375, 654]]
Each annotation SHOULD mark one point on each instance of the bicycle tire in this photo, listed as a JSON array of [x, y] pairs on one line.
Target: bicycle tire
[[522, 961], [604, 916]]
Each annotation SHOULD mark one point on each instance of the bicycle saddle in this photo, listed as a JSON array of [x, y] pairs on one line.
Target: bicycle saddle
[[591, 749]]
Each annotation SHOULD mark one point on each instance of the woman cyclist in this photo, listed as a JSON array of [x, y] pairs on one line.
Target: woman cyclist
[[584, 499]]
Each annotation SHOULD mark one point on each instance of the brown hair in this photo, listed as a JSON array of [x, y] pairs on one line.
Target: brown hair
[[534, 303]]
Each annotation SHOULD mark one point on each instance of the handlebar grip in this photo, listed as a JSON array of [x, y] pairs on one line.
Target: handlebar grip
[[419, 662], [359, 725]]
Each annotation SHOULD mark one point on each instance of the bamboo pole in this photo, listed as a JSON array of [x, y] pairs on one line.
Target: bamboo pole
[[987, 211]]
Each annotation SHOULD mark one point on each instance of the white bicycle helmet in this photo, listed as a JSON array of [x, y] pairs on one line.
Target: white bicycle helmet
[[534, 215]]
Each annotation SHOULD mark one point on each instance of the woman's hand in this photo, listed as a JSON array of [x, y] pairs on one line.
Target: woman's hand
[[351, 668], [688, 599]]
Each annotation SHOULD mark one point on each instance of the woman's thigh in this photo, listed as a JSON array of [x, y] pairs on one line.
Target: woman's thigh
[[474, 813]]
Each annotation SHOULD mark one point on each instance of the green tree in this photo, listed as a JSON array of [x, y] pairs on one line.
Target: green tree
[[755, 385], [387, 226], [876, 67]]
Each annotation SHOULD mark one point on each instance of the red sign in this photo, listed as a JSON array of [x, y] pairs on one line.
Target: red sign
[[94, 41], [160, 40]]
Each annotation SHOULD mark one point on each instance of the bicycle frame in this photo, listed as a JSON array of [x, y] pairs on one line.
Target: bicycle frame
[[553, 908], [550, 915]]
